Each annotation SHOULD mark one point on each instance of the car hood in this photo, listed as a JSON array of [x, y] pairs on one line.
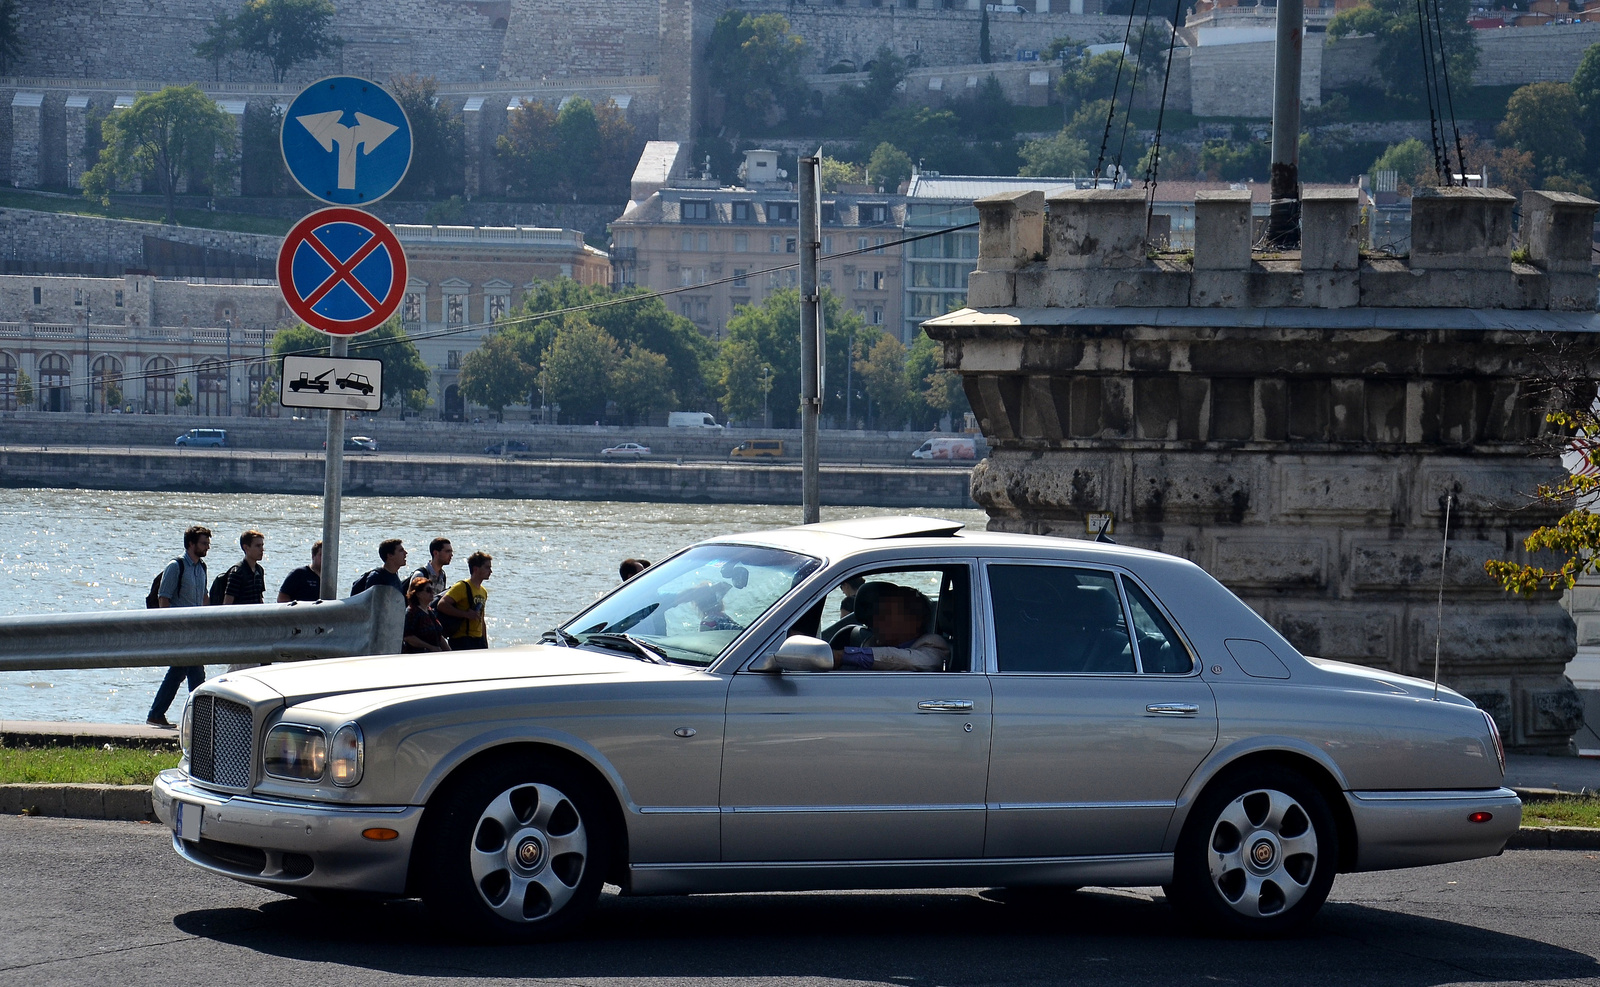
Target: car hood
[[299, 681], [1390, 682]]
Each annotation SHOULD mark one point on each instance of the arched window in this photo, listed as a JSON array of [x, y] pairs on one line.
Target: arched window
[[55, 382], [8, 382], [211, 379], [260, 373], [160, 386], [105, 375]]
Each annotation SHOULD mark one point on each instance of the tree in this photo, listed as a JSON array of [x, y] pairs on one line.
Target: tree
[[1401, 61], [835, 173], [1087, 78], [1408, 160], [1542, 119], [739, 377], [10, 34], [578, 368], [185, 395], [984, 54], [24, 390], [939, 390], [642, 383], [405, 376], [261, 169], [769, 334], [883, 375], [286, 32], [113, 396], [221, 40], [1063, 154], [1586, 90], [754, 62], [585, 151], [175, 133], [888, 167], [438, 139], [267, 399], [495, 375], [1576, 536]]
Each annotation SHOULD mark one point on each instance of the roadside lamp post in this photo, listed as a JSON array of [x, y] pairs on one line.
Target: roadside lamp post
[[766, 389], [88, 371]]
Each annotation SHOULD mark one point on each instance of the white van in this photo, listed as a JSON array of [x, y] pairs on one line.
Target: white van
[[961, 447], [691, 419]]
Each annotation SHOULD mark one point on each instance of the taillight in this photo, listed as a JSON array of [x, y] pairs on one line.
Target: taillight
[[1499, 748], [1480, 817]]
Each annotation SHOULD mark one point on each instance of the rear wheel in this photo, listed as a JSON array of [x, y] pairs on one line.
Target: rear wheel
[[515, 853], [1258, 854]]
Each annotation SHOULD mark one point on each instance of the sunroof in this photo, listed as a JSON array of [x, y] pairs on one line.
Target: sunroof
[[903, 526]]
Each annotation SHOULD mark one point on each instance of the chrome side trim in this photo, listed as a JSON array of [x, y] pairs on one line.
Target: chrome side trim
[[1081, 805], [918, 807], [1474, 795], [1129, 870], [650, 810]]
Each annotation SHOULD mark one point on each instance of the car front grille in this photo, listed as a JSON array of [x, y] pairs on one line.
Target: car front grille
[[219, 742]]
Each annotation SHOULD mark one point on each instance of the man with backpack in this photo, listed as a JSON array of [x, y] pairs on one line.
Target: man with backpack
[[181, 584], [393, 555], [244, 582]]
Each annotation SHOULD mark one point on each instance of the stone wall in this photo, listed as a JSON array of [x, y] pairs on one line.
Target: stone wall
[[26, 234], [1296, 423], [1516, 56], [1236, 80]]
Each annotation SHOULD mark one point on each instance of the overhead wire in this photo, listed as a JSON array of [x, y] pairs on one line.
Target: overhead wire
[[1154, 168], [1444, 62], [1116, 86], [1428, 87], [1133, 87], [360, 343]]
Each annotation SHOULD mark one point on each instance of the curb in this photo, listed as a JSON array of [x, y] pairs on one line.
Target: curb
[[1554, 838], [129, 803]]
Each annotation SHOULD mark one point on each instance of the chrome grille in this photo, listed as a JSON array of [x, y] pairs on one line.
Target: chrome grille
[[220, 742]]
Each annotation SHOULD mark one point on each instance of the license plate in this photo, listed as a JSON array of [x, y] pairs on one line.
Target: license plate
[[186, 821]]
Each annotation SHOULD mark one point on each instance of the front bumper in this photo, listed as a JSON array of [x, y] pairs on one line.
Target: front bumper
[[281, 843], [1413, 829]]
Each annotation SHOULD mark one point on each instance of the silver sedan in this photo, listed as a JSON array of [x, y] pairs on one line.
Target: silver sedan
[[882, 703]]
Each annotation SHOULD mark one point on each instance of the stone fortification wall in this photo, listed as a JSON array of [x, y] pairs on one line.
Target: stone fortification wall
[[26, 234], [155, 40], [560, 38], [1516, 56], [1351, 61], [1236, 80]]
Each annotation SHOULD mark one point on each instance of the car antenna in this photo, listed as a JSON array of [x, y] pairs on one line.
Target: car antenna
[[1438, 627], [1103, 537]]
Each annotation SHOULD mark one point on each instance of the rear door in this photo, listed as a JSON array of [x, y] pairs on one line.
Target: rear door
[[1095, 730]]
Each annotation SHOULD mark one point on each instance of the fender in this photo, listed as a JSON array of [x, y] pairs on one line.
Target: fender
[[1222, 758], [490, 736]]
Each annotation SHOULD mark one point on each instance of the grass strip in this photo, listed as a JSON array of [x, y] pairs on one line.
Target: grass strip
[[83, 765], [1573, 810]]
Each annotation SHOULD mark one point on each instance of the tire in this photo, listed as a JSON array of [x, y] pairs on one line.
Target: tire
[[1257, 855], [516, 852]]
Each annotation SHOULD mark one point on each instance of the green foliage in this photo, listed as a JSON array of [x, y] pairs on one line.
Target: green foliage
[[1576, 536], [1586, 90], [754, 62], [405, 376], [221, 40], [889, 167], [1568, 810], [1568, 182], [641, 384], [577, 368], [267, 399], [286, 32], [1333, 157], [1409, 159], [185, 396], [1400, 54], [83, 765], [10, 35], [1543, 119], [446, 212], [495, 375], [1087, 78], [984, 54], [261, 170], [769, 334], [438, 139], [835, 173], [172, 133], [585, 152], [1235, 161], [1062, 155], [113, 396], [24, 389]]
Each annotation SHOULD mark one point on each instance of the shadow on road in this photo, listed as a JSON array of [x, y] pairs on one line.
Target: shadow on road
[[898, 938]]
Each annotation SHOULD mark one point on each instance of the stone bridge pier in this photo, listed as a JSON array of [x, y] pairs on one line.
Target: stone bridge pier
[[1296, 423]]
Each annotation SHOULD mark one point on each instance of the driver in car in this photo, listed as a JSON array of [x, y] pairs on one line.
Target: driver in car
[[898, 642]]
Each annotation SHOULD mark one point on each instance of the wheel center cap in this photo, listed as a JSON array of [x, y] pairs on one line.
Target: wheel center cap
[[530, 852], [1262, 853]]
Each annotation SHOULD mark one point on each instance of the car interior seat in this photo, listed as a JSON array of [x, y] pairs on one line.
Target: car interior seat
[[854, 631], [1105, 644]]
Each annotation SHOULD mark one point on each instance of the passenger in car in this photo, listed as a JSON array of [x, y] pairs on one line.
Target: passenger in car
[[900, 641]]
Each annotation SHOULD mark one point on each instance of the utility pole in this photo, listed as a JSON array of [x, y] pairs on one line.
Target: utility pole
[[333, 486], [1283, 223], [810, 335]]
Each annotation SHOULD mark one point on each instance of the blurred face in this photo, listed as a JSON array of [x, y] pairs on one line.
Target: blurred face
[[316, 560], [201, 546], [256, 549], [895, 622], [442, 557], [483, 572], [424, 598]]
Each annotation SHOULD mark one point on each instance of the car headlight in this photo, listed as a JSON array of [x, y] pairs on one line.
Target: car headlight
[[295, 752], [186, 725], [345, 758]]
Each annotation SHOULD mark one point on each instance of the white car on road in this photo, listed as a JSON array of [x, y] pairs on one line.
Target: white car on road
[[626, 449]]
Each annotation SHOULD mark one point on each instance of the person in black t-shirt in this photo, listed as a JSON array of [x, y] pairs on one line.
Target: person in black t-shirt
[[393, 555], [423, 632], [305, 583], [247, 582]]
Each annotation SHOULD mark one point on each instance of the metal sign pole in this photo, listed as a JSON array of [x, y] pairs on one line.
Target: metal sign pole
[[1283, 223], [810, 333], [333, 487]]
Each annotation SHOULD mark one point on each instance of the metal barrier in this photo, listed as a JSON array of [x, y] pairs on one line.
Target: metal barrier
[[369, 624]]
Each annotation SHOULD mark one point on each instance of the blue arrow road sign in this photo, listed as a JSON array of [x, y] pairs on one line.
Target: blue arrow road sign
[[346, 140]]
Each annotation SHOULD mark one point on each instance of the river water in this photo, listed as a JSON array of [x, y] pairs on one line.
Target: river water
[[66, 551]]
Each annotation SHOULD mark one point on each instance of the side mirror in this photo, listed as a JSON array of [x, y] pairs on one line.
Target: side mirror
[[797, 654]]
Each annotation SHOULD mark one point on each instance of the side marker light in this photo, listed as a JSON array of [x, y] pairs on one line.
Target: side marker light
[[1480, 817], [389, 834]]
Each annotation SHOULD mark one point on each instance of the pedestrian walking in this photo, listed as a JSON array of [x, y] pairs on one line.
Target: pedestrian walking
[[247, 581], [393, 556], [439, 555], [423, 631], [304, 585], [183, 584], [465, 602], [632, 567]]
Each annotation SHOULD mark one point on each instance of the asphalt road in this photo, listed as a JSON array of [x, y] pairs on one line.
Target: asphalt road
[[108, 903]]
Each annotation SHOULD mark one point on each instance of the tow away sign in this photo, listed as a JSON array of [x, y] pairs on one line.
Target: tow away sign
[[337, 383]]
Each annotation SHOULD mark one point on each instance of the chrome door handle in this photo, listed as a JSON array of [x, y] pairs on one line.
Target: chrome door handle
[[945, 706], [1172, 709]]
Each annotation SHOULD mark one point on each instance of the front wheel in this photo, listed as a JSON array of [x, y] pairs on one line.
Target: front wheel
[[1258, 854], [517, 853]]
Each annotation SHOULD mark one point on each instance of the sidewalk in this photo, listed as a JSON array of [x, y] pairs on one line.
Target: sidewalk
[[45, 733]]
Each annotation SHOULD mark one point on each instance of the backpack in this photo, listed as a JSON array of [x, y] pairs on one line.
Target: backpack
[[152, 600], [219, 586], [363, 582]]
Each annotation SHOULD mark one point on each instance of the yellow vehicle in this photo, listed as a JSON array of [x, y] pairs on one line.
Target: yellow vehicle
[[753, 448]]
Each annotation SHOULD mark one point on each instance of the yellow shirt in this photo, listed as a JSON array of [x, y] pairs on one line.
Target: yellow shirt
[[465, 597]]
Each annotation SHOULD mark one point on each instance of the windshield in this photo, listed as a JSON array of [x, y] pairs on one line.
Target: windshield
[[690, 608]]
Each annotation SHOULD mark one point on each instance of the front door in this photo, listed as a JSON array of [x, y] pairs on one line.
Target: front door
[[863, 764], [1093, 738]]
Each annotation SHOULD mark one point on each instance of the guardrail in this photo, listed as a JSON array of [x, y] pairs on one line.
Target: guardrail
[[369, 624]]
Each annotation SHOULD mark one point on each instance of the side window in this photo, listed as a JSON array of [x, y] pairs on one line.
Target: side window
[[1059, 620], [871, 611], [1160, 650]]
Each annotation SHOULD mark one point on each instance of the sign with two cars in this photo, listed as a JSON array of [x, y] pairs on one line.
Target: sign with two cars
[[336, 383]]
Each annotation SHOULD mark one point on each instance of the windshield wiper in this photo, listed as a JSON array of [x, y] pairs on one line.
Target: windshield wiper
[[556, 635], [629, 644]]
